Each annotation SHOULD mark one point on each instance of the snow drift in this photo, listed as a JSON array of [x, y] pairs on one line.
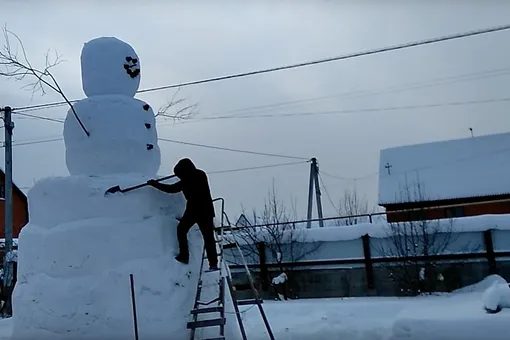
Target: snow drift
[[496, 297]]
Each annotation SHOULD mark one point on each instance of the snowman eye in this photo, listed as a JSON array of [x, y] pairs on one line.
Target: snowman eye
[[128, 59]]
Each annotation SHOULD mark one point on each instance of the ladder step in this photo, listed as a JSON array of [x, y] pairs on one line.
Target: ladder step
[[207, 310], [248, 302], [208, 303], [206, 323]]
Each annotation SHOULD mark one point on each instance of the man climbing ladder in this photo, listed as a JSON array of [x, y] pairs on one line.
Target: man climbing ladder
[[199, 209]]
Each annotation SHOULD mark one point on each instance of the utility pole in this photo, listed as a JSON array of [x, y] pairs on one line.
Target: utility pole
[[314, 181], [9, 126]]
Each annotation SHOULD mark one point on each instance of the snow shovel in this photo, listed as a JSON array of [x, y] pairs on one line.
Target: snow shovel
[[117, 188]]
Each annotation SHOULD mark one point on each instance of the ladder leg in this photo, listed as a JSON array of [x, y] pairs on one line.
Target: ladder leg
[[197, 297], [236, 308]]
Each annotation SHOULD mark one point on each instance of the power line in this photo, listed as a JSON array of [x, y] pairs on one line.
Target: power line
[[319, 113], [327, 193], [184, 143], [39, 117], [256, 167], [347, 56], [337, 177], [232, 150], [376, 109], [308, 63], [356, 94], [36, 142], [239, 169], [396, 88]]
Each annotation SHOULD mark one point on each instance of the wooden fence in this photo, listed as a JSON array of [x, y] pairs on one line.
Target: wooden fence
[[368, 261]]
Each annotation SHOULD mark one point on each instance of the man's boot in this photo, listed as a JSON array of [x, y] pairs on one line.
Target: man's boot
[[182, 259]]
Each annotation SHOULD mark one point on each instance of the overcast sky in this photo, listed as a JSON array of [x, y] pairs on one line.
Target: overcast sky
[[190, 40]]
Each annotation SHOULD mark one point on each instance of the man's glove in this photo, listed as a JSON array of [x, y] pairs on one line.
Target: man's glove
[[152, 182]]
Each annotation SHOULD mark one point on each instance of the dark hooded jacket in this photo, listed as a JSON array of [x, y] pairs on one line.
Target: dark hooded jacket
[[195, 187]]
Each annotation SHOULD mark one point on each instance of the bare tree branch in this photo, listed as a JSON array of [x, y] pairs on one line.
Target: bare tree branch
[[411, 244], [283, 242], [172, 110], [352, 204], [19, 67]]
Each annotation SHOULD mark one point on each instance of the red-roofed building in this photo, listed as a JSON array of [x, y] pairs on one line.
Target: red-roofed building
[[473, 171], [20, 208]]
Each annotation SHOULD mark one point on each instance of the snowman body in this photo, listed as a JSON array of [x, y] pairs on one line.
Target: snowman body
[[122, 132]]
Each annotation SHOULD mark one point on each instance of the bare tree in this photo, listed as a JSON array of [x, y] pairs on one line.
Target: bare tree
[[275, 236], [15, 64], [352, 205], [414, 245], [177, 109]]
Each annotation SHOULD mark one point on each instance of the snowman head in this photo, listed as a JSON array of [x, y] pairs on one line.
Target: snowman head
[[109, 66]]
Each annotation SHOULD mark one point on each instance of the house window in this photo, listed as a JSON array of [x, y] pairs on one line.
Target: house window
[[417, 215], [454, 212]]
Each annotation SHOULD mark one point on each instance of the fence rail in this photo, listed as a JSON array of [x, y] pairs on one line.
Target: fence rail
[[368, 261]]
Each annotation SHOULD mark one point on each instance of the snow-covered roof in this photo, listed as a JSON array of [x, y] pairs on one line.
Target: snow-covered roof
[[468, 167]]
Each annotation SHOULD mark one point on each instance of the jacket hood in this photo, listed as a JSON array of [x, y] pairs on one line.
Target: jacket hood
[[184, 167]]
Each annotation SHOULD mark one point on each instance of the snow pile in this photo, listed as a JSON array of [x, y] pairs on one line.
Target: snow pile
[[496, 297], [481, 286], [123, 136], [280, 279], [458, 315]]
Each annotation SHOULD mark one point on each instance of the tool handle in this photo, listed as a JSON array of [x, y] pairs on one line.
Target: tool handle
[[146, 184]]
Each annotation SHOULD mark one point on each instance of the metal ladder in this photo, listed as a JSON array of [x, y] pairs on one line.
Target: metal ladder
[[224, 281]]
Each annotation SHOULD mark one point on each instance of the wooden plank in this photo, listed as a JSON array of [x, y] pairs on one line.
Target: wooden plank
[[369, 268], [247, 302], [206, 310], [206, 323]]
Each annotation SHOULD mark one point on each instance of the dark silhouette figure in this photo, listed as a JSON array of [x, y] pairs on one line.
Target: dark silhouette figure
[[199, 209]]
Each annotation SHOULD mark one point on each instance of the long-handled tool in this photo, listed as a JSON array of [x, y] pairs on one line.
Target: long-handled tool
[[117, 188]]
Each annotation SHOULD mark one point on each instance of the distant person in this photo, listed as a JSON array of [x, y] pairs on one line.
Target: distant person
[[199, 209]]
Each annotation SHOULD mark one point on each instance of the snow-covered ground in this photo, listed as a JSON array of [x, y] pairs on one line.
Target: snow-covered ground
[[446, 317]]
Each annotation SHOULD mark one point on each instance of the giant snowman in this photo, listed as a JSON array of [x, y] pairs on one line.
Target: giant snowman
[[80, 247]]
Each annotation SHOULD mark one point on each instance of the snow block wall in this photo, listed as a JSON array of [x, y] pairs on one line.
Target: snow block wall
[[73, 274]]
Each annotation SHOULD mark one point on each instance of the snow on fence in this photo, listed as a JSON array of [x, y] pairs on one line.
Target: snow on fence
[[479, 238]]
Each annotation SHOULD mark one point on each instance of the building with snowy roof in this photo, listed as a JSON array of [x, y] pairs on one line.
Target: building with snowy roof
[[20, 208], [446, 179]]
